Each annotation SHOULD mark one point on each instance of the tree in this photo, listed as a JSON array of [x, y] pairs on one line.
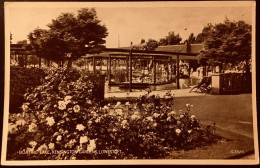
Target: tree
[[71, 37], [36, 38], [201, 37], [151, 44], [170, 39], [22, 42], [191, 39], [228, 43]]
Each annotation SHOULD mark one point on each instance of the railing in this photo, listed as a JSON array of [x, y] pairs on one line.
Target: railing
[[227, 83]]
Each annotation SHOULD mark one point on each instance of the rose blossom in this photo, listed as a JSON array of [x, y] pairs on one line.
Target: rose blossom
[[32, 127], [134, 116], [25, 107], [20, 122], [76, 108], [83, 139], [50, 121], [178, 131], [80, 127], [43, 147], [91, 146], [149, 118], [33, 144], [59, 138], [62, 105], [51, 146], [67, 99]]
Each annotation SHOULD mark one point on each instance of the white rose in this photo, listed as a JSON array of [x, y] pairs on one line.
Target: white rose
[[50, 121], [62, 105], [80, 127], [59, 138], [51, 146], [83, 139], [178, 131]]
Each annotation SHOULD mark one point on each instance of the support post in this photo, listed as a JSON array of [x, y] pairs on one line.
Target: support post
[[168, 69], [107, 67], [109, 70], [154, 69], [127, 68], [130, 62], [178, 72], [94, 64], [101, 63], [88, 64], [26, 60], [171, 69]]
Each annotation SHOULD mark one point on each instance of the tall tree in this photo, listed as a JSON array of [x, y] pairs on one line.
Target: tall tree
[[191, 39], [228, 43], [170, 39], [151, 44], [36, 38], [71, 37]]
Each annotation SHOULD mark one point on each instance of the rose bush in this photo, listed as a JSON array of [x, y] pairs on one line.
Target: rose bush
[[63, 119]]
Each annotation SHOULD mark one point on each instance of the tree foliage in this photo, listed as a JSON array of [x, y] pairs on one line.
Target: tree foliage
[[191, 39], [150, 45], [170, 39], [227, 43], [69, 36]]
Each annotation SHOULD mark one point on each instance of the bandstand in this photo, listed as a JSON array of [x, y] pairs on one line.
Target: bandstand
[[137, 68]]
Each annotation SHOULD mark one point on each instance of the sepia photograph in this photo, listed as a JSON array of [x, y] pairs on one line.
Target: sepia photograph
[[101, 83]]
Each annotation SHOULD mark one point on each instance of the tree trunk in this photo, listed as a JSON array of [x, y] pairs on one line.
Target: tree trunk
[[69, 65], [40, 61]]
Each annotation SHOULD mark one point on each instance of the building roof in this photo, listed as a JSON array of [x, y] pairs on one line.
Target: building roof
[[195, 48]]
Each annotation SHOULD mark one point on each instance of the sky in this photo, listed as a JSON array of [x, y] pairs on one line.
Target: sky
[[129, 22]]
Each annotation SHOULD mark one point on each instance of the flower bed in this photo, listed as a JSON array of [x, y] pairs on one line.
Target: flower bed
[[62, 119]]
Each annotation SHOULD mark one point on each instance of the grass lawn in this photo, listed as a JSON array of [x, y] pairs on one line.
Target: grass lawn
[[233, 117], [230, 112]]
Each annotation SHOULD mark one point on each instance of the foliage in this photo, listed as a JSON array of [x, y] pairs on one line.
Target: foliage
[[191, 39], [62, 118], [170, 39], [23, 80], [228, 43], [151, 44], [22, 42], [33, 59], [36, 38], [70, 37]]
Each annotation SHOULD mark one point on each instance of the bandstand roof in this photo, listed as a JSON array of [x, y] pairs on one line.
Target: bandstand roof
[[123, 52]]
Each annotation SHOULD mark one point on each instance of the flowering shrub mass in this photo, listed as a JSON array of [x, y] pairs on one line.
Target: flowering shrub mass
[[63, 119]]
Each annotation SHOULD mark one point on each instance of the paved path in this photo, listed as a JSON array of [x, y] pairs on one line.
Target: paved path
[[177, 93]]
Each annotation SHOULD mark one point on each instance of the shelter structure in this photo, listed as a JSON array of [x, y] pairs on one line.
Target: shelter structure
[[126, 67], [20, 53]]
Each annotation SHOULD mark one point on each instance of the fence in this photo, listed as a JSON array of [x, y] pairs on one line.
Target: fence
[[231, 83]]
